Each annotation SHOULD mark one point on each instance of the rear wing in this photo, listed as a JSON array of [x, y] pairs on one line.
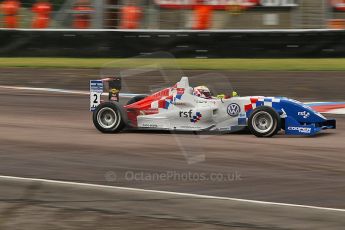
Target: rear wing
[[112, 86]]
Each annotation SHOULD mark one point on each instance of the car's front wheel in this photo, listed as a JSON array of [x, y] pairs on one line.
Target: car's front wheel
[[107, 118], [264, 122]]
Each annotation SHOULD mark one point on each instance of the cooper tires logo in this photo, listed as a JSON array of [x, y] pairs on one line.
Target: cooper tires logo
[[234, 109], [300, 129]]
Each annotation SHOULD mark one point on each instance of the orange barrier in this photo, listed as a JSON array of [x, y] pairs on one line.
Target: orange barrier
[[42, 10], [336, 24], [82, 16], [202, 17], [130, 17], [10, 8]]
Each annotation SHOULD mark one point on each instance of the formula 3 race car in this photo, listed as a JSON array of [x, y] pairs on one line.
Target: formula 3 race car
[[178, 108]]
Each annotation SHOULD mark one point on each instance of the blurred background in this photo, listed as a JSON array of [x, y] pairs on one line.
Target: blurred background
[[173, 14]]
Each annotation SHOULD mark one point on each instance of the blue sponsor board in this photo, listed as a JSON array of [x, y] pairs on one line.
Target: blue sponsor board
[[96, 86]]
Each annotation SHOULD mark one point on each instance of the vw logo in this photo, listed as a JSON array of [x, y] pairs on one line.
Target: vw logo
[[234, 109]]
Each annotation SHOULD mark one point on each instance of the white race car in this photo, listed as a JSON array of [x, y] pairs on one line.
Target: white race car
[[179, 108]]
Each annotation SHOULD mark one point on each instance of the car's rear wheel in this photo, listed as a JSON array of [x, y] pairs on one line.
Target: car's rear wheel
[[107, 118], [264, 122]]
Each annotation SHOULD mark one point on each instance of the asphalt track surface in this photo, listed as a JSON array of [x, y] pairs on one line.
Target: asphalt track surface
[[51, 136]]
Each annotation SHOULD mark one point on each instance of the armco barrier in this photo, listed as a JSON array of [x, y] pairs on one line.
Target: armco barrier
[[181, 43]]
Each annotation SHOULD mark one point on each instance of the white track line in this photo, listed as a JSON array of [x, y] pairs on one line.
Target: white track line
[[336, 111], [46, 90], [168, 193], [79, 92]]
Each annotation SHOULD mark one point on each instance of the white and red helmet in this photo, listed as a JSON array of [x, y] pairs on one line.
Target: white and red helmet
[[202, 91]]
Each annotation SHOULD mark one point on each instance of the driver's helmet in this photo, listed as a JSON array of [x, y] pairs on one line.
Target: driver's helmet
[[202, 91]]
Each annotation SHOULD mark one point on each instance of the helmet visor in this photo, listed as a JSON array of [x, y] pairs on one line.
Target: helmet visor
[[206, 94]]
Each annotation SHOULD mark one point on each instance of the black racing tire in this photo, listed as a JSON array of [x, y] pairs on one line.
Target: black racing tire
[[282, 123], [108, 118], [264, 122], [136, 99]]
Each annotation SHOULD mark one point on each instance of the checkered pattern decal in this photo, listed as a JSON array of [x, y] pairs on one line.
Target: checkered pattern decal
[[242, 121], [261, 101], [196, 118], [166, 101]]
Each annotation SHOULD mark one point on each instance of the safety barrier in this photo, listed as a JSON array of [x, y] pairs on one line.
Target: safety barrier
[[181, 43]]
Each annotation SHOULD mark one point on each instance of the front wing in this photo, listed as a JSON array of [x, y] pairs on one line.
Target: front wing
[[292, 127]]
